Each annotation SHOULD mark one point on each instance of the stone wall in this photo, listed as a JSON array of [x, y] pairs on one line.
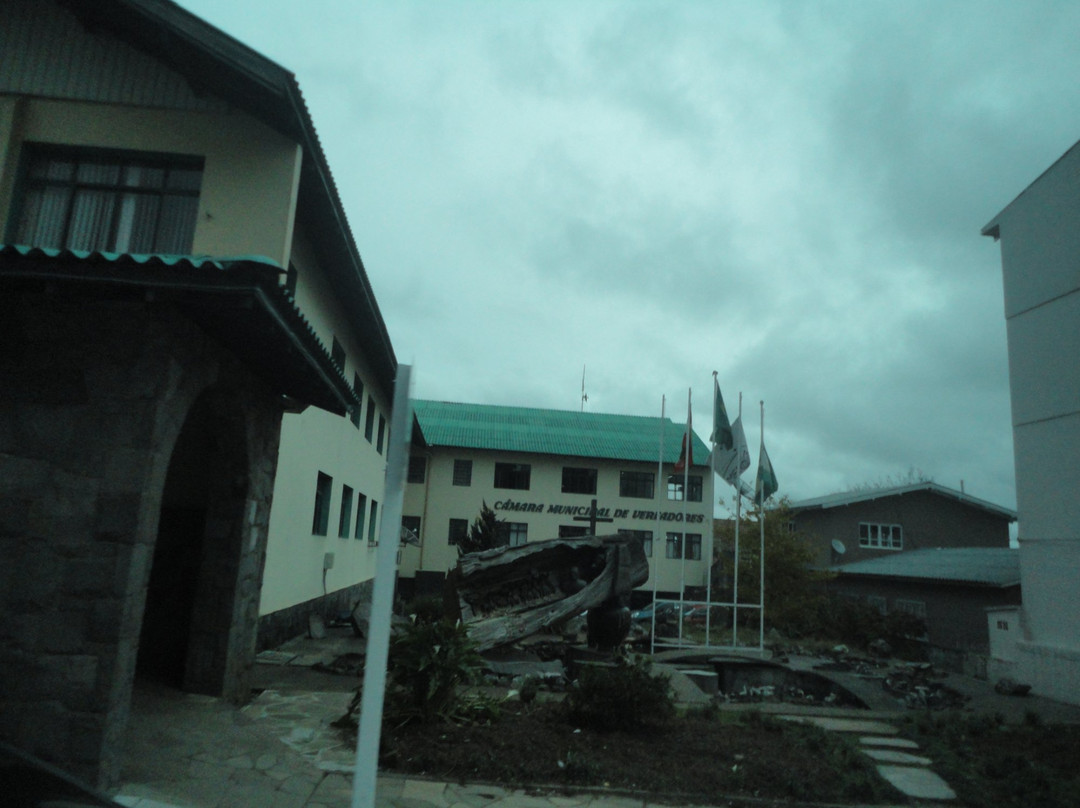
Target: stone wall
[[280, 626], [93, 395]]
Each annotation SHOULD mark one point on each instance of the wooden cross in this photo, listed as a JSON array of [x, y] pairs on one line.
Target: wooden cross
[[592, 518]]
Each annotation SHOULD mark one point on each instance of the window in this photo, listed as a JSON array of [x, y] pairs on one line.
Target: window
[[361, 514], [578, 481], [96, 200], [693, 546], [417, 467], [675, 488], [512, 475], [462, 472], [382, 434], [884, 537], [354, 410], [459, 529], [369, 425], [572, 531], [916, 608], [372, 536], [337, 354], [877, 602], [324, 487], [644, 536], [638, 484], [411, 524], [345, 517], [516, 533]]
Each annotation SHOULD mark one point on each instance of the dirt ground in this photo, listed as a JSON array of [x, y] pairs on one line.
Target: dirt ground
[[693, 758]]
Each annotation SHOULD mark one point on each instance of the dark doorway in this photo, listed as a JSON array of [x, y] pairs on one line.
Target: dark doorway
[[186, 625]]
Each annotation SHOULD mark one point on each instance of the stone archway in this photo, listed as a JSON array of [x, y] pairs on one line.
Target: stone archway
[[189, 618]]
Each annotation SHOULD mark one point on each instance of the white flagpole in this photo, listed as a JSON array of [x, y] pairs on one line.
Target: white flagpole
[[685, 491], [655, 566], [761, 552], [712, 526], [738, 519], [378, 644]]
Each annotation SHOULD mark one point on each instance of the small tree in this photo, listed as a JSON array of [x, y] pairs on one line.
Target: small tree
[[794, 591], [487, 531]]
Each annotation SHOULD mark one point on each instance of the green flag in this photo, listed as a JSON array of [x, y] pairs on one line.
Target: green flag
[[721, 430], [766, 478]]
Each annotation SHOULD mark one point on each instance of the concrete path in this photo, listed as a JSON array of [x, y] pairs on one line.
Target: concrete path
[[894, 757]]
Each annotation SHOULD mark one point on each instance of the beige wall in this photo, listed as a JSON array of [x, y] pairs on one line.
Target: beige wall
[[314, 441], [251, 173], [437, 501]]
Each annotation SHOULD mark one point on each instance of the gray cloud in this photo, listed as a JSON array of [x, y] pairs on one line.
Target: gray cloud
[[789, 194]]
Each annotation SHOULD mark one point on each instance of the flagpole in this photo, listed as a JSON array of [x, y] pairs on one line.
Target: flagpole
[[712, 524], [738, 519], [761, 551], [688, 454], [656, 540]]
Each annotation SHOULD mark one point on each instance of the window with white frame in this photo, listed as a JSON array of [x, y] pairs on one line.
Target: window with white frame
[[881, 536], [693, 546], [112, 201], [516, 533], [675, 487]]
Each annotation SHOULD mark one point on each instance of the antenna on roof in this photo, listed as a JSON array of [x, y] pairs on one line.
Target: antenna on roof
[[584, 397]]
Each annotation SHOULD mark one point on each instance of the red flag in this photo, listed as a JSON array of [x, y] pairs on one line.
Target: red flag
[[686, 455]]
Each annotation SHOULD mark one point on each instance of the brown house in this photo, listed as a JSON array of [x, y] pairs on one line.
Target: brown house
[[950, 589], [861, 525]]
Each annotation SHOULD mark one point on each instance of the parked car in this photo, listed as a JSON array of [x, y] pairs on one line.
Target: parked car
[[698, 613], [665, 610]]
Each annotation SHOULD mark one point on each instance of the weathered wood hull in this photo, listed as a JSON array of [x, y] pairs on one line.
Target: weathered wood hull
[[508, 593]]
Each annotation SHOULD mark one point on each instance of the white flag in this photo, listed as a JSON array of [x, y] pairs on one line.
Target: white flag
[[731, 463]]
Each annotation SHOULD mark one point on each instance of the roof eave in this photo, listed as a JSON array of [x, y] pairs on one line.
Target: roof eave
[[216, 63]]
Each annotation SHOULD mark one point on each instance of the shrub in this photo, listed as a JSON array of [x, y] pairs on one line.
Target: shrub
[[429, 661], [624, 696]]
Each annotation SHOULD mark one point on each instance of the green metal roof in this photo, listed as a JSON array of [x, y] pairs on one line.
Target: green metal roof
[[237, 299], [984, 566], [554, 432]]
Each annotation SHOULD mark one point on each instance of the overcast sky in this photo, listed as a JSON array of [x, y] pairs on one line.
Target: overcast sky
[[788, 193]]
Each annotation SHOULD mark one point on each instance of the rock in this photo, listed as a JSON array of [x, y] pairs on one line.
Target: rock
[[840, 650], [316, 627], [1010, 687], [879, 648]]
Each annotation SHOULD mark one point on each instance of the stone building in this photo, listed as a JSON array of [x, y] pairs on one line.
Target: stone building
[[195, 378], [540, 471]]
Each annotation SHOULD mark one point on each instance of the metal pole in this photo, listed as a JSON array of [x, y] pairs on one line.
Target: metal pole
[[378, 645]]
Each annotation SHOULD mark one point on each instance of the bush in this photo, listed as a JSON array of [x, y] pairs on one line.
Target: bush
[[625, 696], [429, 661]]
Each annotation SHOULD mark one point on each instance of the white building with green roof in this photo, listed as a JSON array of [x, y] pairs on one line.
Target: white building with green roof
[[540, 471]]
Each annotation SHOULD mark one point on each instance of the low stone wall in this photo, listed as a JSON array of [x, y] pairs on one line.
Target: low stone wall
[[280, 626]]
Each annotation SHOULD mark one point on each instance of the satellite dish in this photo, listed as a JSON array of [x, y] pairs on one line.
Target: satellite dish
[[838, 547]]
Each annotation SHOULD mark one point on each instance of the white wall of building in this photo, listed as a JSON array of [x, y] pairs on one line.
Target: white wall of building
[[1040, 242]]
